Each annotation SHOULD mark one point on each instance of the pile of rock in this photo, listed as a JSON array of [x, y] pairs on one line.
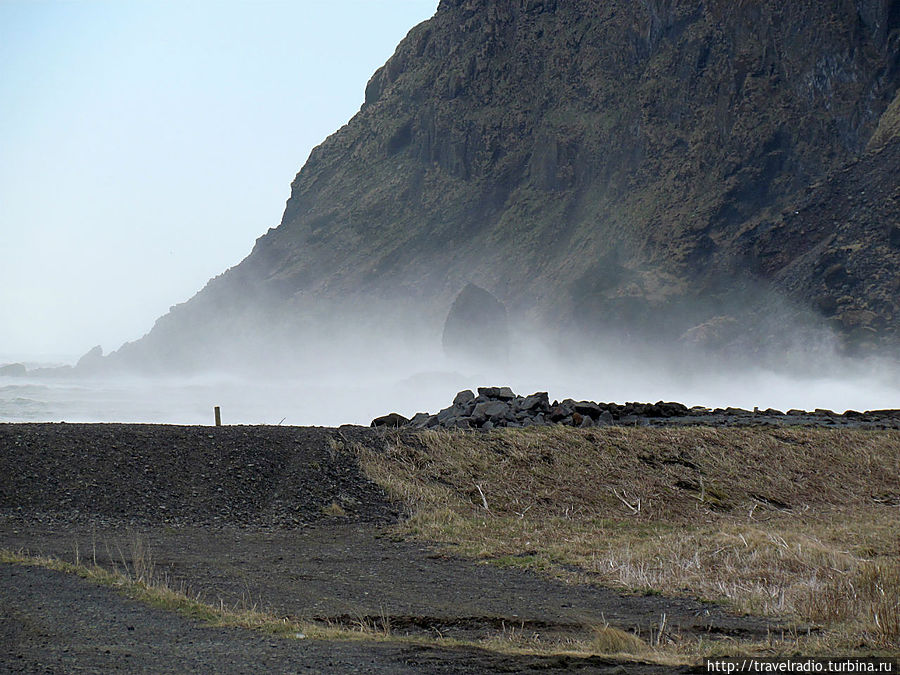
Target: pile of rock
[[501, 407]]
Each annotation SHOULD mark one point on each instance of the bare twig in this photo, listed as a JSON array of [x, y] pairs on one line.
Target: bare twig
[[122, 556], [634, 509], [483, 498], [661, 631]]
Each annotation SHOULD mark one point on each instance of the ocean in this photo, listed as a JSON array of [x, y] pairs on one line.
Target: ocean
[[341, 399], [352, 397]]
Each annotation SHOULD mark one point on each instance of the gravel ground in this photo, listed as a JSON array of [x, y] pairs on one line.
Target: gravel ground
[[276, 517], [343, 573], [41, 633], [248, 476]]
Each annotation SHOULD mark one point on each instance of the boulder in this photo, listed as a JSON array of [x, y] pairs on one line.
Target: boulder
[[495, 411], [736, 411], [497, 393], [672, 409], [477, 327], [560, 412], [588, 408], [447, 415], [420, 420], [390, 420], [463, 397], [537, 402]]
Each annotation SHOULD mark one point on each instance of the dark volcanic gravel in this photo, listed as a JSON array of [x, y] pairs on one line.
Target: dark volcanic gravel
[[259, 476], [40, 633]]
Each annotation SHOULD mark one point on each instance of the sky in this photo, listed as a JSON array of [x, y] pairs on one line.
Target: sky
[[145, 145]]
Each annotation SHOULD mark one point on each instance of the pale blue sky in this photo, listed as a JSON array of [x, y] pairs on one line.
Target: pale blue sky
[[144, 146]]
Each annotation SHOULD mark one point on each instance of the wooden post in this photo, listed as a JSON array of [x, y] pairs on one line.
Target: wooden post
[[218, 417]]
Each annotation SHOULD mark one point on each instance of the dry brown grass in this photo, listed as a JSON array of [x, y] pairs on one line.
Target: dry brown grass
[[334, 509], [801, 523], [611, 640]]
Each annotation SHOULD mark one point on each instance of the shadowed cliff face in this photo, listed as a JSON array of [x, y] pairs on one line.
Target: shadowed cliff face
[[682, 170]]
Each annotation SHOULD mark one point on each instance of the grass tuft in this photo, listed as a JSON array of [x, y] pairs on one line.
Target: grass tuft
[[335, 510], [610, 640]]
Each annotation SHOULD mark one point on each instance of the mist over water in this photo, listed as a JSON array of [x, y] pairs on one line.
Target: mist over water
[[335, 388]]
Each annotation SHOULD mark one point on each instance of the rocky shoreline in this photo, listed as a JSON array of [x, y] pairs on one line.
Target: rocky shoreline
[[495, 407]]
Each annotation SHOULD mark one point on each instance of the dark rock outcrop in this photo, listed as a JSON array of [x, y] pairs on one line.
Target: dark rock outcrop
[[390, 420], [477, 327]]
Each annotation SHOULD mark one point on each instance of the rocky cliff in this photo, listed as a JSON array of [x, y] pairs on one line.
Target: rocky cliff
[[701, 171]]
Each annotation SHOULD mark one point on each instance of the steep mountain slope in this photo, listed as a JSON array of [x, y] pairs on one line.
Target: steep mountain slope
[[839, 250], [603, 167]]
